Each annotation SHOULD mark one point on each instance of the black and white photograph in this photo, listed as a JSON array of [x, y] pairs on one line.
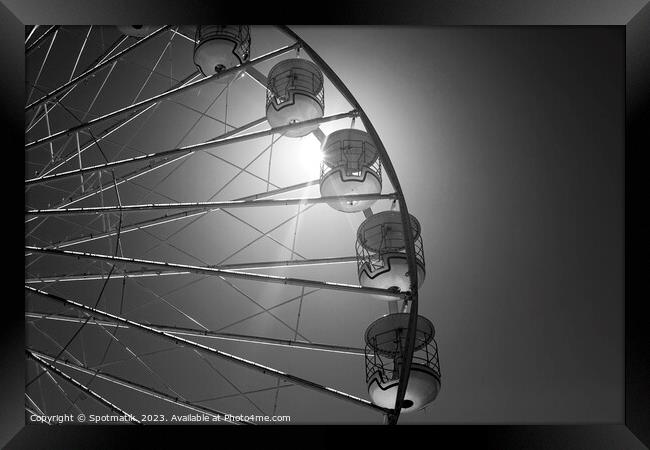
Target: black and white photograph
[[414, 224]]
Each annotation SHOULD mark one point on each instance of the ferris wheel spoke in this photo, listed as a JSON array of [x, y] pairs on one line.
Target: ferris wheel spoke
[[155, 98], [47, 336], [143, 170], [173, 217], [185, 331], [302, 296], [187, 149], [199, 215], [36, 408], [168, 218], [233, 385], [34, 45], [184, 36], [318, 133], [263, 235], [40, 71], [257, 76], [202, 114], [165, 294], [142, 355], [95, 69], [225, 273], [254, 391], [266, 310], [232, 215], [113, 128], [232, 132], [137, 358], [153, 69], [114, 379], [76, 226], [92, 141], [63, 392], [147, 273], [212, 351], [243, 169], [81, 386], [81, 50], [163, 299], [196, 122], [32, 30], [36, 119], [209, 206], [41, 240]]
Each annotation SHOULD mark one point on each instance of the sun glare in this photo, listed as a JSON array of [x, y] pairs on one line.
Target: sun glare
[[309, 155]]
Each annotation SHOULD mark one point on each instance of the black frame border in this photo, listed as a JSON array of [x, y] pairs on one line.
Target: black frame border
[[632, 15]]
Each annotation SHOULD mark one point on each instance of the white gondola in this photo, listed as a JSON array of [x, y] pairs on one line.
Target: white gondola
[[381, 252], [221, 47], [385, 345], [350, 166], [137, 30], [294, 94]]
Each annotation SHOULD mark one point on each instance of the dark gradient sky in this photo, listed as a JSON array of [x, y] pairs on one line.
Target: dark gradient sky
[[508, 143]]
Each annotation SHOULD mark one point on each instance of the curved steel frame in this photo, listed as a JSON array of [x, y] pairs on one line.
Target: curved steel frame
[[406, 223]]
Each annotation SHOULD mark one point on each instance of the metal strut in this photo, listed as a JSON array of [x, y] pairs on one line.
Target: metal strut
[[87, 390], [138, 388], [224, 273], [210, 206], [191, 148], [212, 351], [184, 331], [157, 98], [89, 72], [143, 273]]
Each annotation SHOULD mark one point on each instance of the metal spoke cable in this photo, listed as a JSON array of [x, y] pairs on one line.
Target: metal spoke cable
[[119, 228], [36, 119], [98, 67], [212, 351], [158, 97], [131, 385], [82, 387]]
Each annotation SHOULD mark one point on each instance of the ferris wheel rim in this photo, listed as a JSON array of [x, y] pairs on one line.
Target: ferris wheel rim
[[406, 221]]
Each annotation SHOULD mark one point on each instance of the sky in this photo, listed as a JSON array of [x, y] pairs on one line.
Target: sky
[[508, 144]]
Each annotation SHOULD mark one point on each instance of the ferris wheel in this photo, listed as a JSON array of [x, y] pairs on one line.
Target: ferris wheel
[[214, 232]]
